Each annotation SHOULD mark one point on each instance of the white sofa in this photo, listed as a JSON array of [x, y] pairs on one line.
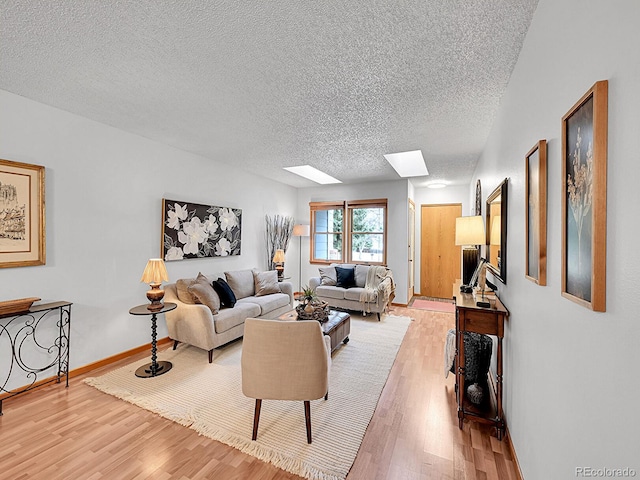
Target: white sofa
[[381, 292], [196, 325]]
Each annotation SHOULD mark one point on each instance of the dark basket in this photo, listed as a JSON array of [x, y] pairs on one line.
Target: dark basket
[[320, 312]]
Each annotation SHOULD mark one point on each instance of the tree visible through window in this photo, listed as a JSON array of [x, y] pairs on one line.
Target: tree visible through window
[[367, 234], [348, 231]]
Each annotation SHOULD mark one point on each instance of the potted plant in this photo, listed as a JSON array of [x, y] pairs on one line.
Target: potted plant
[[310, 308], [308, 296]]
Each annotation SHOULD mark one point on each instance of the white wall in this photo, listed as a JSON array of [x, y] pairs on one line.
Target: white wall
[[570, 385], [436, 196], [103, 208], [397, 224]]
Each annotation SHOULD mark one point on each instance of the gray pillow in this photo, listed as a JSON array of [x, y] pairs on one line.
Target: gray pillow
[[182, 287], [266, 283], [361, 275], [328, 275], [205, 294], [241, 282]]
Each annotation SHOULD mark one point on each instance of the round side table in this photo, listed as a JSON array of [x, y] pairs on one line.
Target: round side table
[[154, 368]]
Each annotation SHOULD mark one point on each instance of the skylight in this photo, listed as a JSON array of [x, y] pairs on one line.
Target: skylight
[[313, 174], [408, 164]]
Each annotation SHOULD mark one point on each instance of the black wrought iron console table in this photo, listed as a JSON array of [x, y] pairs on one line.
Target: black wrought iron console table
[[36, 347]]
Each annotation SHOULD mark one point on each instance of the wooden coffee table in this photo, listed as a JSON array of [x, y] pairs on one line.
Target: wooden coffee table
[[337, 326]]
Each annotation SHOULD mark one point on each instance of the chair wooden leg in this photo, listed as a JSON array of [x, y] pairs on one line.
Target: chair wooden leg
[[307, 418], [326, 395], [175, 344], [256, 419], [378, 316], [211, 356]]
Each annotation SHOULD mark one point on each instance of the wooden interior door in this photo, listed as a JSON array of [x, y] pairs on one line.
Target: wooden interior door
[[440, 257]]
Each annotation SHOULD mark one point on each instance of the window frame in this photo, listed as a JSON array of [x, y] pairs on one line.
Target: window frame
[[347, 208], [319, 206], [358, 204]]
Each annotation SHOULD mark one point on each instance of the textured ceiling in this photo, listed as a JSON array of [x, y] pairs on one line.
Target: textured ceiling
[[263, 85]]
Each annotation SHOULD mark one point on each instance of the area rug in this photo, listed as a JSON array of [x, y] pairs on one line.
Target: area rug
[[433, 305], [208, 398]]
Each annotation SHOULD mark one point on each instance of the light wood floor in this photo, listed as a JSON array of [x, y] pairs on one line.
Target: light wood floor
[[80, 433]]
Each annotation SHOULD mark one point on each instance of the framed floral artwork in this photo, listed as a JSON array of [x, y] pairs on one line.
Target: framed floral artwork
[[536, 213], [192, 230], [584, 199], [22, 219]]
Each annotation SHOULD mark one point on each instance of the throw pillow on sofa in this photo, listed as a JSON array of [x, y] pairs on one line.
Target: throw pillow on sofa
[[345, 277], [241, 282], [361, 275], [265, 283], [328, 275], [205, 293], [182, 289], [227, 297]]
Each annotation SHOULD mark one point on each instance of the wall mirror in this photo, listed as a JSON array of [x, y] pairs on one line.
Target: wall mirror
[[496, 226]]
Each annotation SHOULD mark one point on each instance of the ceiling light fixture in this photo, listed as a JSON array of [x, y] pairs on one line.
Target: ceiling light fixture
[[437, 185], [408, 164], [313, 174]]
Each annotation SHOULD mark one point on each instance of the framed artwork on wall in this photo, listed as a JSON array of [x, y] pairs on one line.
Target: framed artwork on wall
[[22, 219], [192, 230], [536, 213], [584, 199]]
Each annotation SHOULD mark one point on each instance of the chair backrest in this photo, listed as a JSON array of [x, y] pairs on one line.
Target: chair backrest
[[284, 360]]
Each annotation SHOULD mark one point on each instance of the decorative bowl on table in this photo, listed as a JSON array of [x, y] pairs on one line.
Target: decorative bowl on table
[[313, 311]]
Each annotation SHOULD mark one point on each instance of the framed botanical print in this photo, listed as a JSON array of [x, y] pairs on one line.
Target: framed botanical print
[[584, 199], [22, 219], [193, 230], [536, 213]]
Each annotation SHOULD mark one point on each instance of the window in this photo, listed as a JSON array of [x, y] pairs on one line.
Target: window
[[327, 225], [367, 232], [353, 232]]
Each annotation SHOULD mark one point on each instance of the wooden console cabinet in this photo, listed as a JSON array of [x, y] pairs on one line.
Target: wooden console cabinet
[[489, 321]]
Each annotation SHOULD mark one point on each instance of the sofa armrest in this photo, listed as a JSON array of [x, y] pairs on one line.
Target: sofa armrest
[[314, 282], [383, 284], [189, 323], [287, 287]]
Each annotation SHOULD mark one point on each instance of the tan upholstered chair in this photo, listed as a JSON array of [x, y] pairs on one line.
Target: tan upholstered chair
[[285, 360]]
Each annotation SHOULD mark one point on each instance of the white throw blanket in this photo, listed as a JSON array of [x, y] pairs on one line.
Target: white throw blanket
[[449, 352], [375, 286]]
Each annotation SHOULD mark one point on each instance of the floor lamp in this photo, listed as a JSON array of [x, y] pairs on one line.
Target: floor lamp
[[469, 234], [300, 231]]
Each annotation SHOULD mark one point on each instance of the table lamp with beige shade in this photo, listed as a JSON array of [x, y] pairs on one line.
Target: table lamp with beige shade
[[154, 274], [278, 259], [469, 234]]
